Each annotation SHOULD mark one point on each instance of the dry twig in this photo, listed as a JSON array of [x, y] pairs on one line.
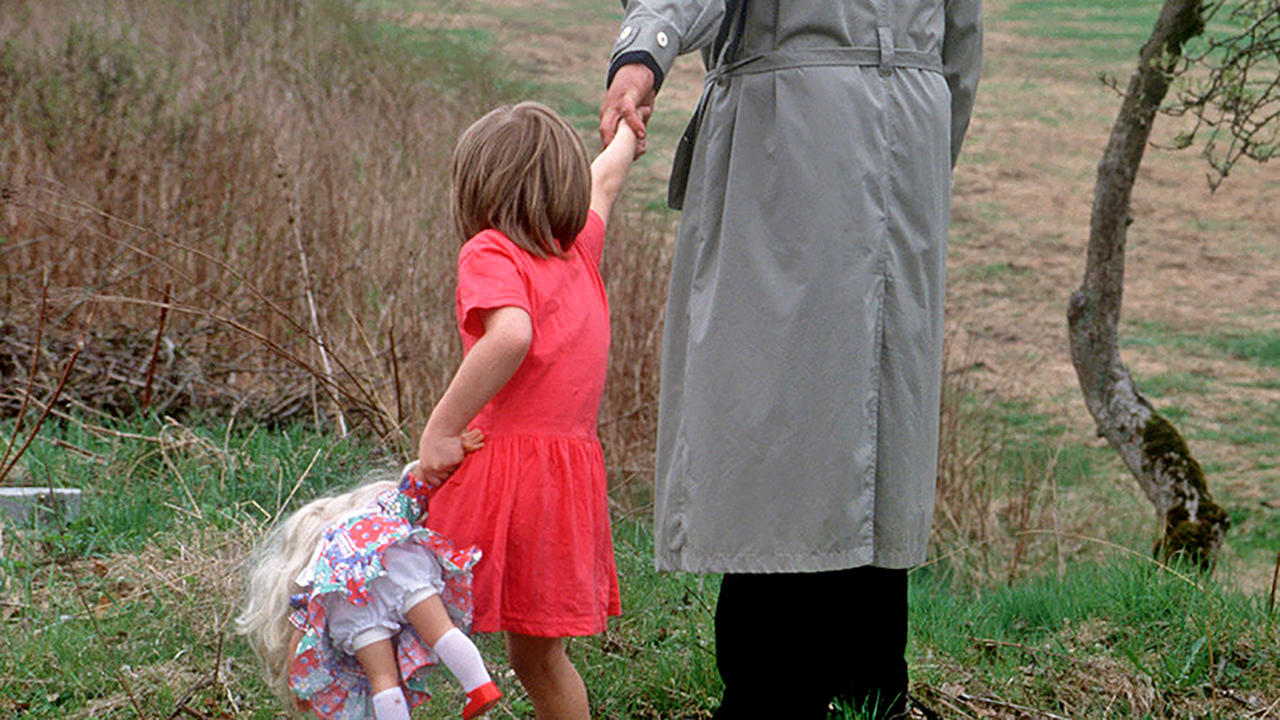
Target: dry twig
[[155, 347]]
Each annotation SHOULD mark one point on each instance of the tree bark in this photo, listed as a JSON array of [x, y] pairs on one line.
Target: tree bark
[[1151, 447]]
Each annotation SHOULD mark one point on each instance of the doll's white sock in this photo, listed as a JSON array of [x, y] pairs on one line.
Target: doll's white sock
[[461, 656], [390, 705]]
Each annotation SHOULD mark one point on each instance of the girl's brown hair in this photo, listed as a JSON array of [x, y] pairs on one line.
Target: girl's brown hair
[[523, 171]]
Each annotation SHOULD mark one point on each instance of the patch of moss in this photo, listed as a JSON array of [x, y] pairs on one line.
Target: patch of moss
[[1197, 539], [1160, 439]]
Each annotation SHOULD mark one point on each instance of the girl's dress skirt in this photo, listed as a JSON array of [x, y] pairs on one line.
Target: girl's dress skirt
[[536, 508]]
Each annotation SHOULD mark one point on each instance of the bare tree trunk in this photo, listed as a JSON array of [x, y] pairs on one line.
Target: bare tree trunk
[[1151, 447]]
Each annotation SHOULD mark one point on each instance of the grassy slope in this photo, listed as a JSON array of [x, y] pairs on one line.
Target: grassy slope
[[136, 599]]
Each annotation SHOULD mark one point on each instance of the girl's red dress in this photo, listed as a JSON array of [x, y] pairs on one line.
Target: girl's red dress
[[533, 499]]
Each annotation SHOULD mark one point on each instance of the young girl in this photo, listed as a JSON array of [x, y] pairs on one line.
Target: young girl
[[348, 599], [535, 327]]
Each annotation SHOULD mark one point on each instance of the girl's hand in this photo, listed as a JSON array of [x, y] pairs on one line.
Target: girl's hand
[[440, 456]]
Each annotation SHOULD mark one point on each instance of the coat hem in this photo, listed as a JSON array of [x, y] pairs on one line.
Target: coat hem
[[788, 563]]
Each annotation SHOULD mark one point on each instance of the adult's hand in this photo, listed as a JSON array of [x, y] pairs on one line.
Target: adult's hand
[[629, 99]]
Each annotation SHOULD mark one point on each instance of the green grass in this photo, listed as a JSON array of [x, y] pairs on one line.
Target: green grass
[[1165, 384], [1254, 422], [1034, 439], [1261, 348], [1108, 32], [451, 60], [994, 272], [141, 599], [1255, 529], [1102, 34], [133, 490], [1127, 619]]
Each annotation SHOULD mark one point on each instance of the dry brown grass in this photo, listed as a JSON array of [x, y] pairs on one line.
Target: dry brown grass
[[158, 149], [205, 152], [635, 267], [993, 523]]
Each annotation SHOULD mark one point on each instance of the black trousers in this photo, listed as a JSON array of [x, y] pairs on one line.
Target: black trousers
[[787, 644]]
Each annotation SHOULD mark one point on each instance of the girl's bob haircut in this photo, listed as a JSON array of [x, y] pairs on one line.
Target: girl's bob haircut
[[523, 171]]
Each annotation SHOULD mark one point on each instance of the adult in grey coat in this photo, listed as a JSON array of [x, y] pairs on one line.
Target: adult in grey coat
[[798, 421]]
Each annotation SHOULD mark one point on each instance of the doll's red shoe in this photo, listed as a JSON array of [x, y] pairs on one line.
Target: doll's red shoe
[[481, 700]]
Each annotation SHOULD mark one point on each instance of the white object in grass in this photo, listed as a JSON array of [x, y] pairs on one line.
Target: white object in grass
[[39, 504]]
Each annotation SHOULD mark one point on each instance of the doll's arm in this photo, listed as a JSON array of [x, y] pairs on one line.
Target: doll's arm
[[492, 361], [295, 637], [472, 440]]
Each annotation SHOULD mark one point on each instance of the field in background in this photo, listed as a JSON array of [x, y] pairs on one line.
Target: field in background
[[210, 148]]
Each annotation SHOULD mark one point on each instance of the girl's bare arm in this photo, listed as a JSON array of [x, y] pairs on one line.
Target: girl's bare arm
[[609, 170], [492, 361]]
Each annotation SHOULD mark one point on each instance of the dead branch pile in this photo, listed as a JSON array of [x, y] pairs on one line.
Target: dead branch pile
[[124, 372]]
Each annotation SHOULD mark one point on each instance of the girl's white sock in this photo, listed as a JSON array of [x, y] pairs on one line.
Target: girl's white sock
[[390, 705], [461, 656]]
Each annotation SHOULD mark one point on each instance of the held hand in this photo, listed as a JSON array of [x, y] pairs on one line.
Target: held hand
[[439, 456], [630, 99], [472, 440]]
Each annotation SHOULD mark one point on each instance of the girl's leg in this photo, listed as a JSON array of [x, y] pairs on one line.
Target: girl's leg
[[378, 659], [430, 618], [548, 676]]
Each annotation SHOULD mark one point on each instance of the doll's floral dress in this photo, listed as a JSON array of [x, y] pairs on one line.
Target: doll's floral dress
[[331, 682]]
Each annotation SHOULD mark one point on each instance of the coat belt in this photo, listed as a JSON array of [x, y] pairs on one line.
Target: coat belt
[[811, 57], [885, 58]]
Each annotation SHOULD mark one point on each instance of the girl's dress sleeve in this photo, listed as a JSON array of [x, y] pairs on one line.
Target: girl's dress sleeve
[[591, 239], [490, 276]]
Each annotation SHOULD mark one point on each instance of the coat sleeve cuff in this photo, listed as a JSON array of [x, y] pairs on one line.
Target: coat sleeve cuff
[[636, 56], [646, 39]]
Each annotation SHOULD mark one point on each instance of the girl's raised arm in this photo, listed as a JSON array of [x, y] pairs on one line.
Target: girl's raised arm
[[609, 170]]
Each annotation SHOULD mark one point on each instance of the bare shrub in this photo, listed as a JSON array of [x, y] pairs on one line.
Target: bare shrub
[[995, 515], [172, 167], [636, 270], [158, 143]]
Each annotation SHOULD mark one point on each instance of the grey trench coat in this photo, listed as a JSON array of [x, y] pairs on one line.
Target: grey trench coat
[[798, 422]]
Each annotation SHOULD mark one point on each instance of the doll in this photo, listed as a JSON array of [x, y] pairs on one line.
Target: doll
[[351, 603]]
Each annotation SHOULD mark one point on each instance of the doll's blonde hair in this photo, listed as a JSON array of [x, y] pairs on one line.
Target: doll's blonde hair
[[523, 171], [271, 573]]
